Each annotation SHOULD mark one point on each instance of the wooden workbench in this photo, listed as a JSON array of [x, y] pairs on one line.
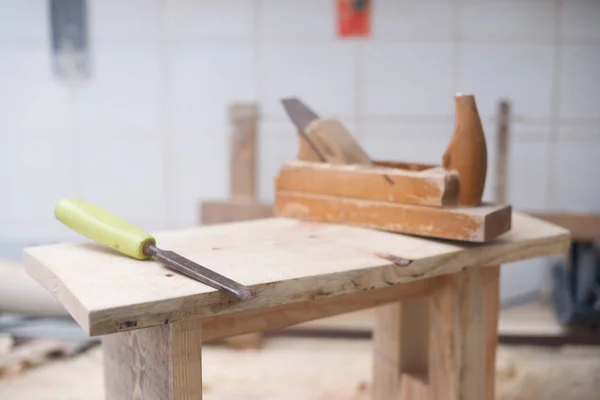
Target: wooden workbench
[[153, 321]]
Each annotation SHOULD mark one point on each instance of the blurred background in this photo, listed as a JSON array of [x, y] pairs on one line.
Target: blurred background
[[130, 109], [125, 103]]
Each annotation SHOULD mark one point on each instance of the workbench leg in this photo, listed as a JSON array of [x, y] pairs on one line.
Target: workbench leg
[[463, 335], [400, 350], [157, 363]]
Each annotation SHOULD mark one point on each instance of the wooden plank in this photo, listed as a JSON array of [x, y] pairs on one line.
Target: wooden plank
[[244, 118], [217, 212], [472, 224], [581, 225], [430, 188], [334, 142], [490, 286], [461, 329], [276, 317], [284, 260], [158, 363], [399, 347]]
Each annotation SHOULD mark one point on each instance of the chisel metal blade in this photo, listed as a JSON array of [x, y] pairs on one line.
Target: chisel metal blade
[[299, 113], [198, 272], [301, 116]]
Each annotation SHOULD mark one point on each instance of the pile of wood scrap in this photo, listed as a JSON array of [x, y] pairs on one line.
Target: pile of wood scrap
[[34, 327], [18, 355]]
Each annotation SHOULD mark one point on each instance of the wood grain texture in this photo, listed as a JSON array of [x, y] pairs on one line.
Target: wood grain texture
[[284, 260], [490, 281], [413, 387], [467, 151], [404, 165], [218, 212], [244, 118], [430, 188], [400, 346], [462, 317], [334, 142], [157, 363], [276, 317], [305, 150], [471, 224]]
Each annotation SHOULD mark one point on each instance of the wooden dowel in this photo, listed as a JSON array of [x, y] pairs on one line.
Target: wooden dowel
[[243, 118], [500, 190]]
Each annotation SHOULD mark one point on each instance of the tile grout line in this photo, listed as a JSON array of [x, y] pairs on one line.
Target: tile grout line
[[456, 45], [553, 134], [76, 135], [168, 177], [258, 91], [257, 49], [359, 92]]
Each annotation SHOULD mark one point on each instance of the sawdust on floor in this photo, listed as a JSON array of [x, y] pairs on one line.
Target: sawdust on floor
[[317, 369]]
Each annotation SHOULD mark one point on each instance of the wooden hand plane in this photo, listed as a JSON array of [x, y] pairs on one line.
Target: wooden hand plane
[[334, 180]]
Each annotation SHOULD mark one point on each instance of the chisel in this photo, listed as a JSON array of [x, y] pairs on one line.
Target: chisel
[[103, 227]]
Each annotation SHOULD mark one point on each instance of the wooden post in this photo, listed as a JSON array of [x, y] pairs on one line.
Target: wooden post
[[244, 119], [157, 363], [442, 347], [400, 350], [463, 335], [242, 203]]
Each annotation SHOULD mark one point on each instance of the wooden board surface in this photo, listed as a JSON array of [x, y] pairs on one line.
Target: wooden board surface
[[435, 187], [471, 224], [217, 212], [284, 260]]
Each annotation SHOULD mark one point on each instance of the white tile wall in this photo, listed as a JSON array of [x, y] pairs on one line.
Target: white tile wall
[[201, 87], [521, 279], [200, 172], [528, 176], [224, 19], [576, 187], [37, 170], [150, 125], [277, 143], [579, 98], [124, 173], [118, 21], [123, 93], [407, 79], [521, 73], [25, 22], [579, 20], [321, 73], [413, 19], [507, 20], [30, 97], [288, 19], [409, 142]]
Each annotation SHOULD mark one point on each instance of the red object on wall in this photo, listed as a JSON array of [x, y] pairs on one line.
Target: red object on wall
[[354, 18]]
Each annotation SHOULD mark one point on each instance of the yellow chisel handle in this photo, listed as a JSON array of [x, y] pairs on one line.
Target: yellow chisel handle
[[103, 227]]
